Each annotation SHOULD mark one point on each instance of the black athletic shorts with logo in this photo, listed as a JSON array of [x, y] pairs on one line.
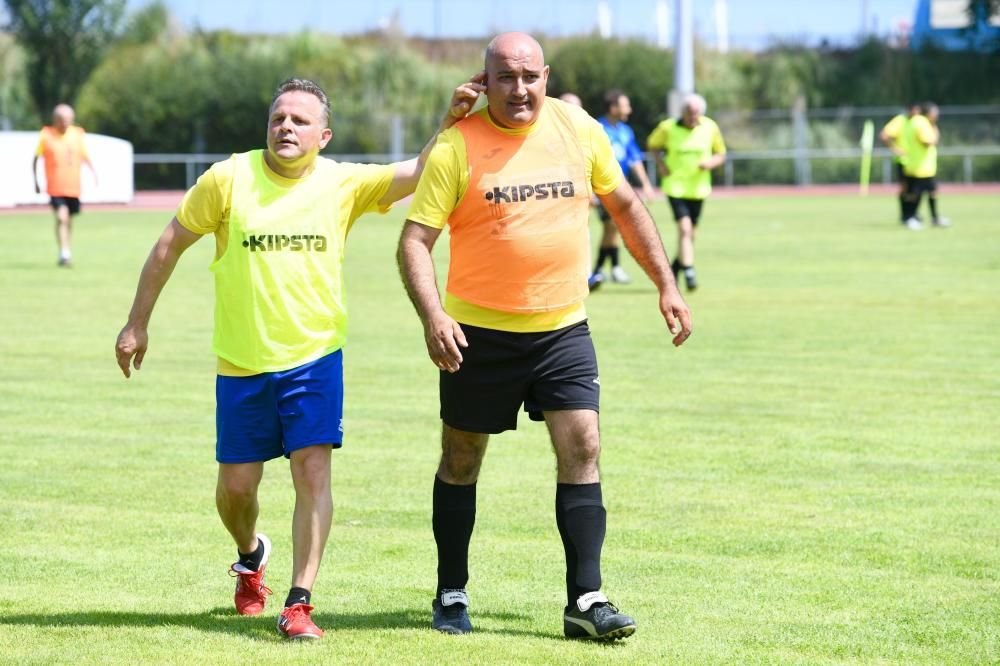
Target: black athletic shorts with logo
[[70, 202], [686, 208], [547, 371]]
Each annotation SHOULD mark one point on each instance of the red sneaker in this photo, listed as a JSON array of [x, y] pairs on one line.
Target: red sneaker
[[251, 593], [295, 622]]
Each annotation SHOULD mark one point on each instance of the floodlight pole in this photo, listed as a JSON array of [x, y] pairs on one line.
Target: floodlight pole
[[683, 57]]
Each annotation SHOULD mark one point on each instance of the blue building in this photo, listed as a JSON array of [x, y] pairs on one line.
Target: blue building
[[948, 25]]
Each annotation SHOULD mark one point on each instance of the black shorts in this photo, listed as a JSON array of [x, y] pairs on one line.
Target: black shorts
[[686, 208], [547, 371], [604, 214], [72, 203], [922, 184]]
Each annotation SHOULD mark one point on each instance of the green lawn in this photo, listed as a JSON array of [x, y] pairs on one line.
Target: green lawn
[[813, 478]]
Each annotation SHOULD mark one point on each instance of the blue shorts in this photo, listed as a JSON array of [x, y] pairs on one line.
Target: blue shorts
[[264, 416]]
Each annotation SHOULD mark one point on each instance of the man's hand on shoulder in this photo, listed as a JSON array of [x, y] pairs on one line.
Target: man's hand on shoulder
[[463, 99]]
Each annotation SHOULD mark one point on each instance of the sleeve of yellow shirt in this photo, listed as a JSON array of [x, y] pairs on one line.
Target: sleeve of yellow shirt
[[206, 205], [369, 183], [718, 145], [40, 150], [658, 137], [926, 133], [894, 127], [443, 182], [606, 174]]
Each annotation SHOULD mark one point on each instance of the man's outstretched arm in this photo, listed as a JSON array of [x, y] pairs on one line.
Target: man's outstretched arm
[[134, 338]]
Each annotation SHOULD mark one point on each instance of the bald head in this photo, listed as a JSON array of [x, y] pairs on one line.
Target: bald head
[[516, 76], [571, 98], [63, 117], [512, 44]]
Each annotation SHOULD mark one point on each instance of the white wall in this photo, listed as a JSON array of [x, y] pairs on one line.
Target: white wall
[[111, 157]]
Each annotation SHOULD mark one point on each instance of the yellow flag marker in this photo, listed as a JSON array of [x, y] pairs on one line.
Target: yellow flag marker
[[867, 145]]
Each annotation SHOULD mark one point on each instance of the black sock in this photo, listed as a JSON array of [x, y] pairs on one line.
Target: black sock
[[932, 200], [582, 521], [252, 560], [602, 254], [298, 595], [914, 205], [676, 267], [453, 518], [902, 207], [613, 254]]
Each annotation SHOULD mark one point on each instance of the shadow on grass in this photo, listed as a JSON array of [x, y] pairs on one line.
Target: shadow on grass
[[225, 620]]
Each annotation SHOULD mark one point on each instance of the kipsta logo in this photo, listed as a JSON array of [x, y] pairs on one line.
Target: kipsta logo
[[511, 193], [278, 242]]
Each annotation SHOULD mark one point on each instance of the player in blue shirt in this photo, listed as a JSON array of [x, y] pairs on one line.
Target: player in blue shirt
[[617, 110]]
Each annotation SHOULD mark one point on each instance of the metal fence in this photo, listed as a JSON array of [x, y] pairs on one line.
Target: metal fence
[[960, 164]]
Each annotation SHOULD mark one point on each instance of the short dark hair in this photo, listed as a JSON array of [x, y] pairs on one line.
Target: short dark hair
[[307, 86], [927, 106], [611, 97]]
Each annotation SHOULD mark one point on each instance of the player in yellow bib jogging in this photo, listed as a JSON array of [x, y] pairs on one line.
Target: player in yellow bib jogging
[[513, 183], [920, 140], [280, 217], [892, 136], [693, 145]]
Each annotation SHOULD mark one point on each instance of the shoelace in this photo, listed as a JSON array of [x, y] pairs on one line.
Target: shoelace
[[243, 580], [297, 613], [453, 612]]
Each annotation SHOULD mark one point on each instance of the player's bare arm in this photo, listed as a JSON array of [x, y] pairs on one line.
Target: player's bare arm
[[643, 242], [407, 174], [712, 162], [134, 338], [443, 335]]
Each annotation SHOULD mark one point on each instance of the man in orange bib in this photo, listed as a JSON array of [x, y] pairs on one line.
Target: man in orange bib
[[62, 148], [513, 183]]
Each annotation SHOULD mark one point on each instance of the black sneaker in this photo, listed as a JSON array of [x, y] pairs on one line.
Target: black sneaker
[[451, 615], [689, 277], [595, 618]]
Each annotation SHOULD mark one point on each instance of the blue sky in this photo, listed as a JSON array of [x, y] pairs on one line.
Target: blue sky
[[751, 22]]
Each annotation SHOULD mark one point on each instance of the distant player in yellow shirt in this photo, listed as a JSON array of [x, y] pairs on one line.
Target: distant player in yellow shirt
[[892, 136], [693, 146], [280, 217], [920, 140], [61, 147], [512, 182]]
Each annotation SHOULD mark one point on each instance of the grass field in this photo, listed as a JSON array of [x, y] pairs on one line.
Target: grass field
[[814, 478]]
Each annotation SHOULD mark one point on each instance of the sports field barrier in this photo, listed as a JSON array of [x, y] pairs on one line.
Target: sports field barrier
[[805, 166]]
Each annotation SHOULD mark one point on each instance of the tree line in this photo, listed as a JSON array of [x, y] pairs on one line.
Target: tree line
[[141, 77]]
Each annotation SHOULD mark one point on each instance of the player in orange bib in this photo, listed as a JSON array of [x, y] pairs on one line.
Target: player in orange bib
[[513, 182], [62, 148]]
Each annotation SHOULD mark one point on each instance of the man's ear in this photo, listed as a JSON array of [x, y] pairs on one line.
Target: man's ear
[[325, 137]]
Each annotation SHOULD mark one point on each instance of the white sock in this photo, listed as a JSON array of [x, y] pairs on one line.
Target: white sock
[[65, 255]]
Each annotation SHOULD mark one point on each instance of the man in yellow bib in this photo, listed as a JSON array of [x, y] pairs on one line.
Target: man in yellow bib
[[64, 152], [693, 145], [280, 217], [892, 136], [920, 140], [513, 183]]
